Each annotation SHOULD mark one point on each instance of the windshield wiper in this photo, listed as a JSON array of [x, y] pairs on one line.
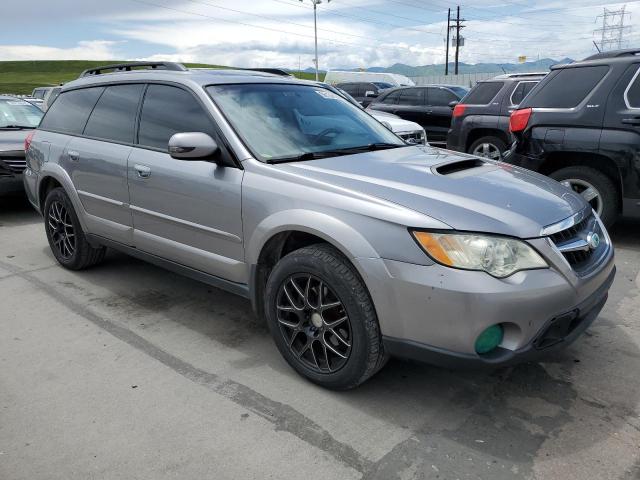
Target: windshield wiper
[[18, 127], [303, 157], [336, 153]]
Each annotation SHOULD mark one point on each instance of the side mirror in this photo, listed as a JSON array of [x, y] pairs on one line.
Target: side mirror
[[387, 125], [370, 94], [192, 146], [453, 104]]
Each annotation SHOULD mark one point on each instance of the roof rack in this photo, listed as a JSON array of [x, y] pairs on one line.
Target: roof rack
[[614, 54], [127, 67], [523, 74]]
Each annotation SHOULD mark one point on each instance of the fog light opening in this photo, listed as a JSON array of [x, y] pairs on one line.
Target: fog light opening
[[489, 340]]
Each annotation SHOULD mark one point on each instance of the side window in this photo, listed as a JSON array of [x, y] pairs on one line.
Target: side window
[[114, 116], [567, 88], [483, 93], [70, 111], [348, 87], [633, 92], [392, 98], [441, 97], [412, 96], [368, 87], [359, 88], [521, 91], [168, 110]]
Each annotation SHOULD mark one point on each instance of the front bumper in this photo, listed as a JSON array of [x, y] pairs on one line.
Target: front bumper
[[11, 184], [435, 313]]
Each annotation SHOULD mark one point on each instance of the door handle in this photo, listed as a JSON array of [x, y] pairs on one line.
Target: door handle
[[73, 155], [631, 121], [143, 171]]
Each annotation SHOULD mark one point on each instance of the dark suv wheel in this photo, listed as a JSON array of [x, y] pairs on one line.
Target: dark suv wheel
[[595, 187], [66, 238], [488, 147], [322, 318]]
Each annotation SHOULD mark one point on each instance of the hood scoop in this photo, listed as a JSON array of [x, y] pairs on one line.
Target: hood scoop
[[463, 168]]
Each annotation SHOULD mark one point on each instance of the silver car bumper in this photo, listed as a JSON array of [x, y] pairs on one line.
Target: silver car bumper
[[435, 313]]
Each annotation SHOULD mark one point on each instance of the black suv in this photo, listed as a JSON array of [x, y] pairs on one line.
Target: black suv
[[428, 106], [581, 126], [364, 92], [480, 122]]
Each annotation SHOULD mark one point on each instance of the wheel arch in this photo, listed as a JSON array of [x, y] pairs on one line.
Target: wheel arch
[[290, 230], [55, 176], [558, 160]]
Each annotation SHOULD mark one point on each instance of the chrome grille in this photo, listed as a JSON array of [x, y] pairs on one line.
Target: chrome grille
[[573, 243], [14, 163]]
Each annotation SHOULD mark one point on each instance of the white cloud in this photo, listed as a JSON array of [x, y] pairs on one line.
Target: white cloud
[[84, 50]]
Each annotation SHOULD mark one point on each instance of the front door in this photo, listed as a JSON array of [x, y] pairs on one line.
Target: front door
[[185, 211], [438, 100]]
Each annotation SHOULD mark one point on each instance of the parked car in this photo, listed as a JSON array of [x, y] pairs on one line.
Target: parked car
[[410, 132], [333, 77], [581, 126], [17, 119], [428, 106], [480, 122], [364, 92], [38, 102], [50, 96], [353, 245], [40, 92]]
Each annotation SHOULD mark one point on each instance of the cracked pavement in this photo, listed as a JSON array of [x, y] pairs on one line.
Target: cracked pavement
[[129, 371]]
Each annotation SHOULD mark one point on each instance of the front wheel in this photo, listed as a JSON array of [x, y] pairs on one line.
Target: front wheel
[[322, 318], [595, 187]]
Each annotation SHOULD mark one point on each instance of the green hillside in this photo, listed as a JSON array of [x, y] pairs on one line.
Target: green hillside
[[23, 77]]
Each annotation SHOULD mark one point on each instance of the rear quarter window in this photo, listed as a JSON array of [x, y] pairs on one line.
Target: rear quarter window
[[483, 93], [70, 111], [567, 88], [632, 94]]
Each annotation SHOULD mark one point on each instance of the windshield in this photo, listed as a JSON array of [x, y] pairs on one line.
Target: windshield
[[299, 122], [17, 113], [460, 91], [382, 85]]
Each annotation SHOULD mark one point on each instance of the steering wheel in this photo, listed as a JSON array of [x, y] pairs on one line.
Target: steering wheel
[[324, 133]]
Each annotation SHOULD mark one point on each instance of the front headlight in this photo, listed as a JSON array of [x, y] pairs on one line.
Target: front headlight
[[498, 256]]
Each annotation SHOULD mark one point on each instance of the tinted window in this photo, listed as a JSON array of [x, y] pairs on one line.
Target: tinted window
[[459, 91], [633, 94], [71, 109], [483, 93], [392, 98], [350, 88], [440, 97], [412, 96], [169, 110], [114, 116], [521, 91], [567, 88]]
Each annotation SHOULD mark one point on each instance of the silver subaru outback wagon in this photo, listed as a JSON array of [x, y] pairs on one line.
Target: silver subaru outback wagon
[[353, 245]]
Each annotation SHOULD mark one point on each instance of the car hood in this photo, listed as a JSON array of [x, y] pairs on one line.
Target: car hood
[[12, 140], [397, 124], [465, 192]]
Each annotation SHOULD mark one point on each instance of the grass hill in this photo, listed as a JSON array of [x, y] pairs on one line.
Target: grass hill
[[23, 77]]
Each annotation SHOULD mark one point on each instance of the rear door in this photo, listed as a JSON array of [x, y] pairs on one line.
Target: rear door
[[185, 211], [411, 106], [439, 118], [621, 134]]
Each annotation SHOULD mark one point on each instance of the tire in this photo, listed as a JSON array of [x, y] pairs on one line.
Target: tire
[[64, 233], [494, 145], [578, 177], [321, 268]]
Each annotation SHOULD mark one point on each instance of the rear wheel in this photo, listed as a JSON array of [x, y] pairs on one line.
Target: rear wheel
[[322, 318], [595, 187], [66, 238], [488, 147]]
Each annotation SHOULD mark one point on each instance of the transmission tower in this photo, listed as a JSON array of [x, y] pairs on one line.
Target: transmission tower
[[613, 29]]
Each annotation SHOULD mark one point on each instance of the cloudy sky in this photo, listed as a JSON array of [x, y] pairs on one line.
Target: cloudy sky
[[251, 33]]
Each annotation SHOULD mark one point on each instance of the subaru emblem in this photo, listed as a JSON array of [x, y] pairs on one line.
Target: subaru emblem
[[593, 239]]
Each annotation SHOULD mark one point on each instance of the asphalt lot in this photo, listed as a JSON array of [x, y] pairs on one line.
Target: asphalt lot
[[127, 371]]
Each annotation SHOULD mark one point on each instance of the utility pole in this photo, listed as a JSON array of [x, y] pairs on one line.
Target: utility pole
[[613, 29], [446, 63], [315, 29], [458, 39]]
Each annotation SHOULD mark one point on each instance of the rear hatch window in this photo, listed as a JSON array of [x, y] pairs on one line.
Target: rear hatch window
[[567, 88], [483, 93]]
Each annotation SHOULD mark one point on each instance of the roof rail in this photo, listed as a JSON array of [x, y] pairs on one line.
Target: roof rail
[[274, 71], [614, 54], [127, 67], [523, 74]]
